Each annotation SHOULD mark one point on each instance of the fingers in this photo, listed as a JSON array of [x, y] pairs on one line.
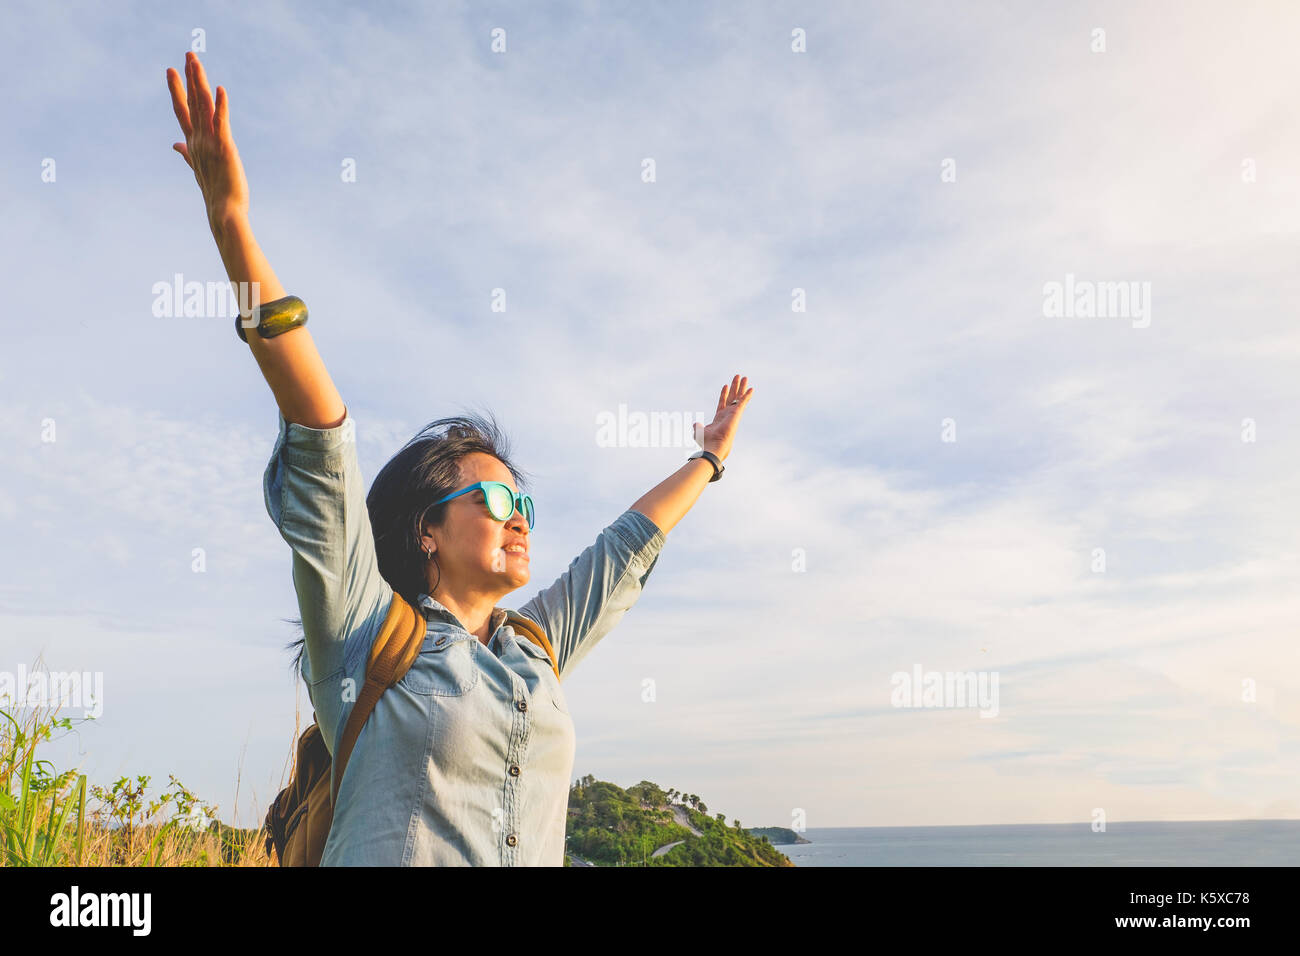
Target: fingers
[[734, 392], [204, 96], [178, 101], [185, 153], [221, 121], [737, 393], [190, 100]]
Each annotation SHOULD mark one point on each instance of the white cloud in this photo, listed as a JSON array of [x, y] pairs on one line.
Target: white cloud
[[775, 171]]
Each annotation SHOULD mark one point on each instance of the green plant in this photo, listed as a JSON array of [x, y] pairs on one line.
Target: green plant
[[39, 828], [26, 842], [124, 804]]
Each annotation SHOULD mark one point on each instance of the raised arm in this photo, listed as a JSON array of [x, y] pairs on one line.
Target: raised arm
[[289, 362], [312, 485], [601, 584], [667, 502]]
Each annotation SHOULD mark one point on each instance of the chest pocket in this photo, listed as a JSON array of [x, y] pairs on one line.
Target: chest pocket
[[443, 668], [549, 685]]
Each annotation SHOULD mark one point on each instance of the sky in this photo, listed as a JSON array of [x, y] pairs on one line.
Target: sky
[[863, 207]]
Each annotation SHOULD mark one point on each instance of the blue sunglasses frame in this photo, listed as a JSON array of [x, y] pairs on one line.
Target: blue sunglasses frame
[[519, 502]]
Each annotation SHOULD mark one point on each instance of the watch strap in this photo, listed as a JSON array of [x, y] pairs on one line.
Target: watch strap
[[713, 460]]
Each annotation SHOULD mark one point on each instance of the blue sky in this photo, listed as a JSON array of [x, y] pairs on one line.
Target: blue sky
[[775, 171]]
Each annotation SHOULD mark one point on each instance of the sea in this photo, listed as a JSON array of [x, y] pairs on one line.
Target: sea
[[1202, 843]]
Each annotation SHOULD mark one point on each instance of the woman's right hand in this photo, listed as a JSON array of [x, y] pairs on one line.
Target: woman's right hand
[[209, 148]]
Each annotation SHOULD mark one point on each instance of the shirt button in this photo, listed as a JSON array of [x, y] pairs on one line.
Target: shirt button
[[440, 640], [512, 839], [521, 704], [514, 770]]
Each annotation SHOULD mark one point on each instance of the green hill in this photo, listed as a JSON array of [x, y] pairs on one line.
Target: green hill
[[778, 836], [610, 826]]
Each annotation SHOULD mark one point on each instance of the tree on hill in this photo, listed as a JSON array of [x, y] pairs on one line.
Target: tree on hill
[[609, 826]]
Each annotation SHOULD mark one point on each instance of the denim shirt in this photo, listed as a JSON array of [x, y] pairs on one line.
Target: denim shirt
[[466, 760]]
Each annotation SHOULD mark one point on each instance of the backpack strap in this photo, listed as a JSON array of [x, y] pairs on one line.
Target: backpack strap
[[391, 656], [533, 631]]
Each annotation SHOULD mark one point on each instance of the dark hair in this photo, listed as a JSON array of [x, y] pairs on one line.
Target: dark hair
[[400, 500]]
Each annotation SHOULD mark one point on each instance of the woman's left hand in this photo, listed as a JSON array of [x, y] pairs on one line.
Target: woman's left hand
[[717, 436]]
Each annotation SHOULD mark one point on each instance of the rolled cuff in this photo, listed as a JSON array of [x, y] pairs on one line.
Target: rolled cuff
[[641, 535], [305, 442]]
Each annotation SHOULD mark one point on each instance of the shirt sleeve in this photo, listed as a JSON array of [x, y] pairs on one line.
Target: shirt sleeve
[[314, 494], [602, 583]]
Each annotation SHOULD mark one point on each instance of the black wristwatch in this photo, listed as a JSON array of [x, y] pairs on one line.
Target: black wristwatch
[[712, 460]]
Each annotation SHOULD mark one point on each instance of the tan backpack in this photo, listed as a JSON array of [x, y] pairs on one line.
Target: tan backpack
[[298, 822]]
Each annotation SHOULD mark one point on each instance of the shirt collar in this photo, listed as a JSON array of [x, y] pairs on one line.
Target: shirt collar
[[432, 606]]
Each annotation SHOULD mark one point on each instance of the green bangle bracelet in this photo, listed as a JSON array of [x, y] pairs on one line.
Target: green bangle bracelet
[[275, 318]]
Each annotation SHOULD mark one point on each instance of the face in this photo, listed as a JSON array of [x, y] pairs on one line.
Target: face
[[470, 545]]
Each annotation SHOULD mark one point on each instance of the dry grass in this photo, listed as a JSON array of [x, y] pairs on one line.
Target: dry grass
[[53, 818]]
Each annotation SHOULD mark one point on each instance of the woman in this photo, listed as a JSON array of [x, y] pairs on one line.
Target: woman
[[465, 760]]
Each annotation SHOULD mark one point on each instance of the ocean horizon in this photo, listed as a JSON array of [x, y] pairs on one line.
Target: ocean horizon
[[1143, 843]]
